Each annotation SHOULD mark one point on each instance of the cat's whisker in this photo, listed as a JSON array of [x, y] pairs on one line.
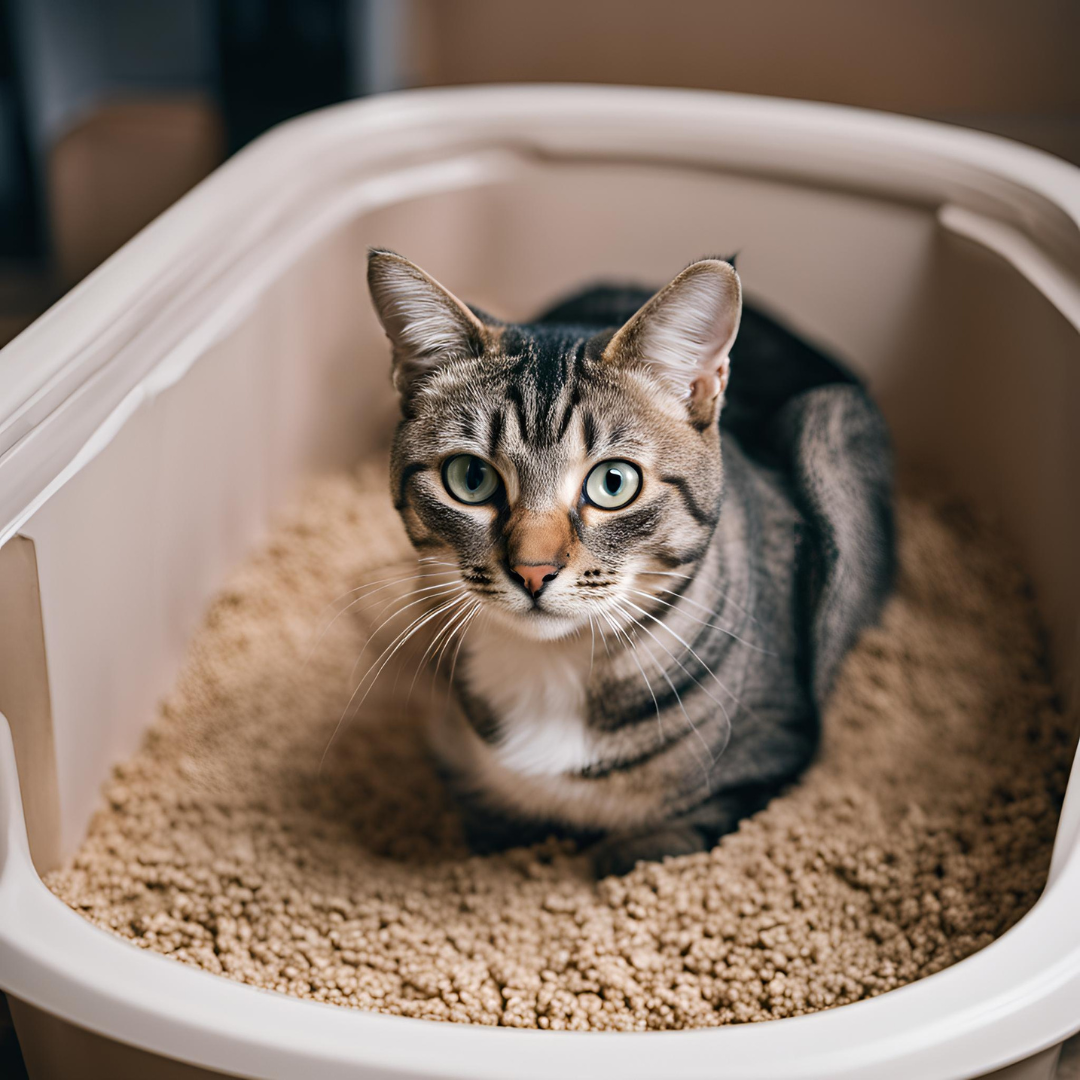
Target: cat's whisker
[[678, 697], [442, 639], [387, 583], [724, 598], [389, 619], [685, 644], [392, 649], [414, 597], [740, 704], [393, 615], [705, 769], [478, 611], [421, 620], [702, 622], [367, 585], [633, 655], [394, 645], [459, 627], [688, 577], [455, 608], [445, 634], [724, 593], [704, 689], [411, 592], [359, 588], [603, 638]]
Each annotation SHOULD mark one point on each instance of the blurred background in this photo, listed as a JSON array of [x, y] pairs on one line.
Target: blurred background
[[112, 109]]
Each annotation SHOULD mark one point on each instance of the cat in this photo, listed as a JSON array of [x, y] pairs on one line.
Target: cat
[[659, 554]]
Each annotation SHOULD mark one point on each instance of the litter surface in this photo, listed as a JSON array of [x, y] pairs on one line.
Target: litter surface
[[238, 842]]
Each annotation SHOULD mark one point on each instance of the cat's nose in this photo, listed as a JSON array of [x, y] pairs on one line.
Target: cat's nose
[[534, 578]]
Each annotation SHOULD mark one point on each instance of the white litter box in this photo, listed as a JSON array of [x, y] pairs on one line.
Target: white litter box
[[152, 422]]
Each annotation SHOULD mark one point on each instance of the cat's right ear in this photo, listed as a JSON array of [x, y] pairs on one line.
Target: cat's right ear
[[684, 335], [426, 324]]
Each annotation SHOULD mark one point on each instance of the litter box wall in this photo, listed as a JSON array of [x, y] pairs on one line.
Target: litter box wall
[[153, 421]]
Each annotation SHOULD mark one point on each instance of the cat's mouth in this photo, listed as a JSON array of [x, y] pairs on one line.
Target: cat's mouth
[[560, 609], [545, 617], [540, 625]]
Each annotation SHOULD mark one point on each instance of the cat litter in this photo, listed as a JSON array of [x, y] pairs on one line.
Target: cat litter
[[256, 838]]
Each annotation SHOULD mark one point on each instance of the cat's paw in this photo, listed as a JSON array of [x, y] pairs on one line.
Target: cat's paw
[[620, 853], [487, 833]]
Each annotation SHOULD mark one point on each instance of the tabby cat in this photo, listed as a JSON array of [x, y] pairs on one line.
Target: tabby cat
[[646, 624]]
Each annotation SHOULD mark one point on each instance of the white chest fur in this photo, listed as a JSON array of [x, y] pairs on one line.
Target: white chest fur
[[536, 691]]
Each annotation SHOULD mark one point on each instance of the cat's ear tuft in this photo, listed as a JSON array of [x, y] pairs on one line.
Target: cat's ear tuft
[[685, 333], [426, 324]]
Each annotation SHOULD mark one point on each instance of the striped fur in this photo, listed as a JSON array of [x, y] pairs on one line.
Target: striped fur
[[667, 679]]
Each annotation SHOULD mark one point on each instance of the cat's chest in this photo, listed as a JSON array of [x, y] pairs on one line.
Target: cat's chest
[[536, 693]]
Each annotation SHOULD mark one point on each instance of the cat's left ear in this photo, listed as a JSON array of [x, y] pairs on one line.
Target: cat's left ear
[[426, 323], [685, 333]]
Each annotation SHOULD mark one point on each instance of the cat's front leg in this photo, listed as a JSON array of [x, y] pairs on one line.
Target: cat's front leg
[[487, 833], [699, 829], [619, 853]]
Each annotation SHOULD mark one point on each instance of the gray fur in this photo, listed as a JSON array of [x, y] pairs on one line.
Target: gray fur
[[726, 594]]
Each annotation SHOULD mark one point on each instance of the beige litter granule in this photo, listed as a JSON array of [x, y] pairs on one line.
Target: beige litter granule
[[923, 832]]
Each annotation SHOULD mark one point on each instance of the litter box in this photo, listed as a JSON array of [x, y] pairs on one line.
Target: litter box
[[154, 420]]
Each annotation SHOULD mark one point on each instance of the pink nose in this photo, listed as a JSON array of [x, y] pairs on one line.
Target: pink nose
[[534, 578]]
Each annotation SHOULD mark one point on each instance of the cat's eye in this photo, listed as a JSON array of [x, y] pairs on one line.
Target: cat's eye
[[612, 484], [470, 479]]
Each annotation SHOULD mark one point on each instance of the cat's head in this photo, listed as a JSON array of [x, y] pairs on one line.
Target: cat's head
[[555, 466]]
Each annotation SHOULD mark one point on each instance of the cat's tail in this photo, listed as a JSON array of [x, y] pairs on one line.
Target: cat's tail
[[838, 449]]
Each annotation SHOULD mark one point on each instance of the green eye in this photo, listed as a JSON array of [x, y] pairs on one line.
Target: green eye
[[470, 479], [612, 484]]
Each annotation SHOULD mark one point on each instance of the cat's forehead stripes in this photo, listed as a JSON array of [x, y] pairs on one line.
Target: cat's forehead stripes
[[535, 399], [544, 376]]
